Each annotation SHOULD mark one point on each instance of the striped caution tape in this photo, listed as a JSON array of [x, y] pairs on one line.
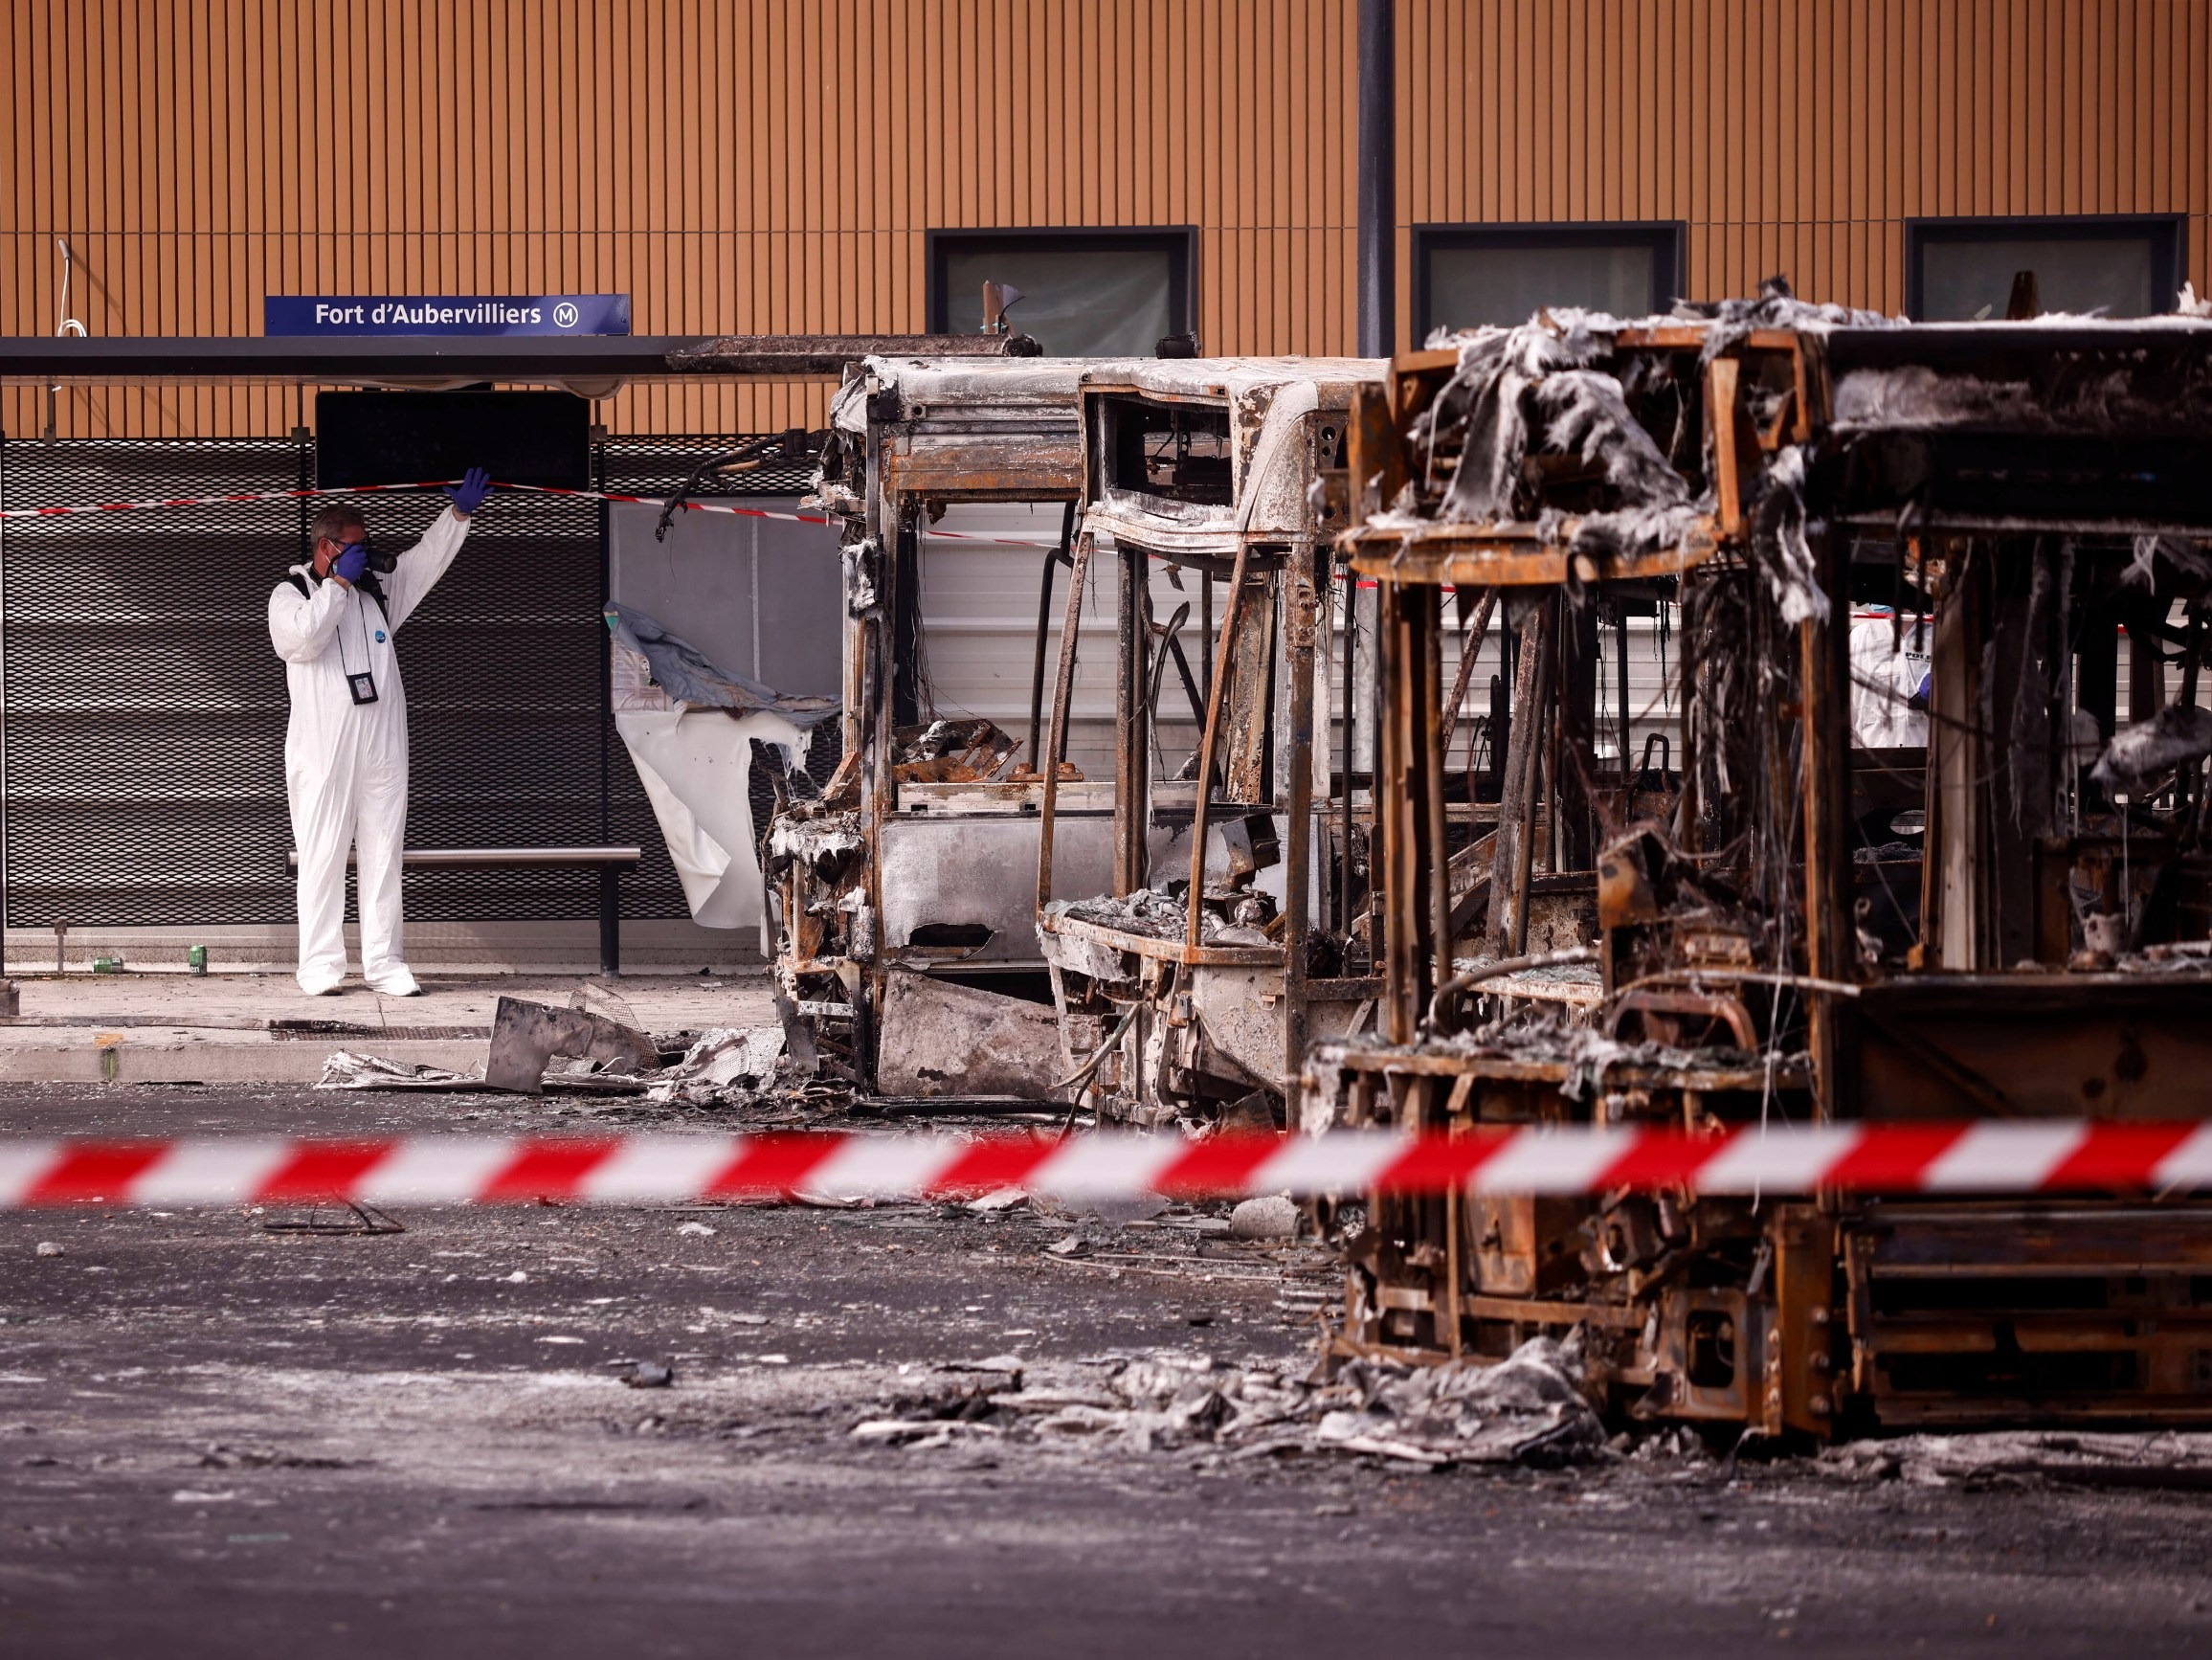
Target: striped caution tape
[[2012, 1157], [689, 505]]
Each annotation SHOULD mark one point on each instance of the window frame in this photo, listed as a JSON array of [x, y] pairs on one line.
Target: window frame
[[2168, 235], [1179, 242], [1667, 238]]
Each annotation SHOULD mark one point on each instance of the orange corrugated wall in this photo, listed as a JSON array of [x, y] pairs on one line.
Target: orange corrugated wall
[[775, 166], [1797, 136]]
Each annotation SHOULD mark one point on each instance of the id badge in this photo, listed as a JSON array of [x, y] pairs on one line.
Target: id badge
[[363, 685]]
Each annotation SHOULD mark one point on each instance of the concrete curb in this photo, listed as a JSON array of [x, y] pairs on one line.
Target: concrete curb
[[180, 1055]]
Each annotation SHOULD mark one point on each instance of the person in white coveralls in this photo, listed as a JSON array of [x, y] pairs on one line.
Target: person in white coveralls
[[333, 621]]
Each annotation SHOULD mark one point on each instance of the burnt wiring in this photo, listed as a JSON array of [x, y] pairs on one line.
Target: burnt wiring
[[792, 446]]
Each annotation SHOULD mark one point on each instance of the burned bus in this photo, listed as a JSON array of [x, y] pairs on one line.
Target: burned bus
[[901, 891], [1912, 867], [1188, 985]]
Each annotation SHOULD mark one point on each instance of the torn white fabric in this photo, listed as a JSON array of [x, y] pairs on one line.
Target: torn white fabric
[[696, 765], [696, 769]]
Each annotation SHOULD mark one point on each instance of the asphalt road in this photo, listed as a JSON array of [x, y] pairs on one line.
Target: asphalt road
[[216, 1439]]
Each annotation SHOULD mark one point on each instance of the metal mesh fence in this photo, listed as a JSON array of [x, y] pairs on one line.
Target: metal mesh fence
[[142, 714]]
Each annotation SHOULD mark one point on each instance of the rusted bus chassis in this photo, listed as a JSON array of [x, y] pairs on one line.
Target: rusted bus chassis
[[2008, 919], [904, 896], [1225, 941]]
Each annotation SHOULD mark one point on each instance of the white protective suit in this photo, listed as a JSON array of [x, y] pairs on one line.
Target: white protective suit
[[1884, 678], [346, 763]]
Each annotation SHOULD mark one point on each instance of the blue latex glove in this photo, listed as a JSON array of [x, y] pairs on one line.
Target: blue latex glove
[[349, 564], [469, 494]]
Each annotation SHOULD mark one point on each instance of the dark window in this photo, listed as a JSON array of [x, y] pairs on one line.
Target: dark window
[[1968, 270], [1176, 450], [1468, 275], [1084, 293]]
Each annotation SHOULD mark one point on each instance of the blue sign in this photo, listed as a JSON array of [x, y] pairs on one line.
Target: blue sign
[[337, 314]]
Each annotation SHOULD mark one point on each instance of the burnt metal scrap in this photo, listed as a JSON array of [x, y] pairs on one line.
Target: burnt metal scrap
[[1230, 934], [915, 858], [831, 353], [2010, 917], [794, 444]]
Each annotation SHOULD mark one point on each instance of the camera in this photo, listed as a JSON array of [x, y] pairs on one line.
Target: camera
[[382, 563]]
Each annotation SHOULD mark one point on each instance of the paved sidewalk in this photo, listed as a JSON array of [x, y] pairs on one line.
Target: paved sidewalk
[[143, 1028]]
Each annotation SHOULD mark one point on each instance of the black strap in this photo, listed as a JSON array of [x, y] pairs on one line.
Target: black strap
[[368, 585]]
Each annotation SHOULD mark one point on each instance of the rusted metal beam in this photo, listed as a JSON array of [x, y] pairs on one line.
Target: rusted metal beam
[[1830, 932], [1507, 930], [1302, 608], [1053, 561], [829, 353], [1409, 847], [1435, 892], [508, 360], [1210, 743], [1350, 704], [1470, 648], [1134, 724], [1373, 453], [1513, 556], [1063, 691]]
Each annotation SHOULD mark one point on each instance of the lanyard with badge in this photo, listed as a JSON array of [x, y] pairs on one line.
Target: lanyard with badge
[[363, 685]]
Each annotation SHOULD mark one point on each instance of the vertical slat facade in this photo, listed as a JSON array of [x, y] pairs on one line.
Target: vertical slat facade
[[1798, 136], [776, 165]]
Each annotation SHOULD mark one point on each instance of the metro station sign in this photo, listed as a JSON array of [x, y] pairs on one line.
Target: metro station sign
[[331, 315]]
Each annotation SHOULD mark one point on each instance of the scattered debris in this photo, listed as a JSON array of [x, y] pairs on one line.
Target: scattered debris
[[527, 1037], [1529, 1409], [218, 1456], [50, 1248], [649, 1375], [597, 998], [972, 751], [728, 1063], [365, 1219], [1272, 1216], [346, 1069], [2167, 1459], [938, 1037]]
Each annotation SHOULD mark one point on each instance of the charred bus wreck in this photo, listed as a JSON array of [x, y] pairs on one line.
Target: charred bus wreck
[[902, 895], [1212, 490], [1870, 892]]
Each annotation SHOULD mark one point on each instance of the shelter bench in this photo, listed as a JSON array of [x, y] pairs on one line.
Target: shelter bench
[[610, 861]]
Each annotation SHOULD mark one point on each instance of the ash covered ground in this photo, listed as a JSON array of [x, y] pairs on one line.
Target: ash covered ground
[[899, 1430]]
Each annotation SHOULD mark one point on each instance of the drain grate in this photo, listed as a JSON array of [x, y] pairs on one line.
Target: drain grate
[[321, 1031]]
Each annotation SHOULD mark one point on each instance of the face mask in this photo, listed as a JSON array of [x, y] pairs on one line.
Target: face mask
[[378, 560]]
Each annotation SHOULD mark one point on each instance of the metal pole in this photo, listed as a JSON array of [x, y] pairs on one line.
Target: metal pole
[[610, 921], [1058, 557], [1377, 165]]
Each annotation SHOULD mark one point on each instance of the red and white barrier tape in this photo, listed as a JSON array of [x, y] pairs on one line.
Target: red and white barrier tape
[[689, 505], [2013, 1157]]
